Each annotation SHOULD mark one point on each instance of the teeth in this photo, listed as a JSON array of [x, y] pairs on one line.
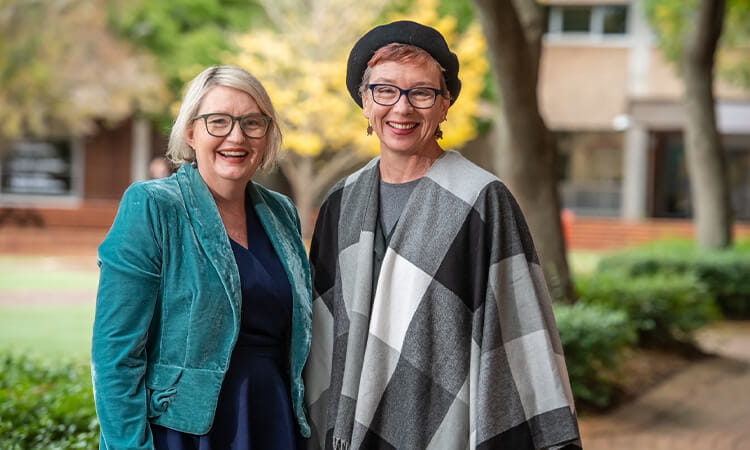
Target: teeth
[[402, 126], [229, 153]]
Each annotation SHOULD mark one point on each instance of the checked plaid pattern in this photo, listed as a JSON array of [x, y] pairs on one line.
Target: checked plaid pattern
[[457, 348]]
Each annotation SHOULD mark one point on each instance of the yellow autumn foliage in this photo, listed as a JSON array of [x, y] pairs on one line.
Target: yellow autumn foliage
[[470, 47], [302, 64]]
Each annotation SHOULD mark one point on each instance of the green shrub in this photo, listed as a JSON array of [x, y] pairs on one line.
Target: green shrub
[[593, 338], [664, 308], [726, 274], [44, 406]]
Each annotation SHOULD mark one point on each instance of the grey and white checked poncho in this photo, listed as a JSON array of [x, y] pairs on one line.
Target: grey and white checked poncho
[[457, 348]]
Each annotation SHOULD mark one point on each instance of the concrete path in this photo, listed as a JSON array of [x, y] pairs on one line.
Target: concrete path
[[706, 406]]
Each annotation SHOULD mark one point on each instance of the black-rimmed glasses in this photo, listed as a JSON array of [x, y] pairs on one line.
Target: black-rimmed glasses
[[253, 126], [419, 97]]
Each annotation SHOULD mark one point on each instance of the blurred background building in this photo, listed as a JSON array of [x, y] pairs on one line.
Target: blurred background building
[[606, 91], [615, 105]]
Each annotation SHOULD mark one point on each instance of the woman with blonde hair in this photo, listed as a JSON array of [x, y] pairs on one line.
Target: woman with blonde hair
[[202, 321]]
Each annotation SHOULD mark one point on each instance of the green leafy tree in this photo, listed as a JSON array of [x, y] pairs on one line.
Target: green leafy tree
[[672, 19], [689, 33], [302, 63], [185, 36], [61, 69]]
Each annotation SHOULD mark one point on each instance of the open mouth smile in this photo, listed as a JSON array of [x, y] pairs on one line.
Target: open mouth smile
[[233, 153], [402, 125]]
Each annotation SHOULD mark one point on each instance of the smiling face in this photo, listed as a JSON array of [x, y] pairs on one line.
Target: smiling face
[[401, 127], [233, 158]]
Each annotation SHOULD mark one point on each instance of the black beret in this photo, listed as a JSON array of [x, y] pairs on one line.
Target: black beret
[[402, 32]]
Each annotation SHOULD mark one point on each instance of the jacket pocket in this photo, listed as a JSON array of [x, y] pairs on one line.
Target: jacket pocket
[[161, 387]]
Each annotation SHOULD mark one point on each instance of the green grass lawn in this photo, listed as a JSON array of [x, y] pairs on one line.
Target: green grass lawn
[[63, 331], [58, 330], [29, 273], [583, 262], [47, 332]]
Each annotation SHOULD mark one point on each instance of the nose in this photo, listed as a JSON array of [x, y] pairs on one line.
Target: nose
[[236, 134], [402, 103]]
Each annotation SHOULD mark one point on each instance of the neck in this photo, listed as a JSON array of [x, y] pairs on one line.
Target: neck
[[399, 167], [229, 196]]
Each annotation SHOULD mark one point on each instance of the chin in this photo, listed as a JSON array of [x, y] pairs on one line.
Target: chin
[[238, 175], [402, 147]]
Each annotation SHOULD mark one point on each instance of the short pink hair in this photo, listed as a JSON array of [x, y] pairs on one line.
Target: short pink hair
[[401, 53]]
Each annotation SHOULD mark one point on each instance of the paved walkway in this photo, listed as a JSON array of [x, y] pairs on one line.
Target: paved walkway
[[706, 406]]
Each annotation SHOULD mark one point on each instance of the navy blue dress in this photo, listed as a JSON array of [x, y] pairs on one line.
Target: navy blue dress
[[254, 410]]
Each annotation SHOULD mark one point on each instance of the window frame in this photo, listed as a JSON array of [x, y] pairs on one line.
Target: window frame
[[71, 198], [595, 32]]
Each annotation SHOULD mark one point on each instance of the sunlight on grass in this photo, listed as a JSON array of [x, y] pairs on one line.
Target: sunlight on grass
[[583, 262], [51, 327], [19, 273], [48, 331]]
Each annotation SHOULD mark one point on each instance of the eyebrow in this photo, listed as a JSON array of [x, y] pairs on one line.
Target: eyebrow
[[393, 82]]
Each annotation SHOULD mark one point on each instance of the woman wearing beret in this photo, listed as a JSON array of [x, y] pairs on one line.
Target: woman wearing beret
[[432, 324], [202, 320]]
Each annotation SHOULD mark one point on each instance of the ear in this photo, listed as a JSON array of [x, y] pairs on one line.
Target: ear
[[445, 103], [366, 107], [189, 138]]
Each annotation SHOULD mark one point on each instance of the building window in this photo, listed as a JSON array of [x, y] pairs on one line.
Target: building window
[[38, 168], [591, 182], [588, 21], [576, 19], [614, 19]]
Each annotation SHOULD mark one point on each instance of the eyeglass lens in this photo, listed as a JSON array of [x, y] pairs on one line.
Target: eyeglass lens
[[252, 125], [387, 95]]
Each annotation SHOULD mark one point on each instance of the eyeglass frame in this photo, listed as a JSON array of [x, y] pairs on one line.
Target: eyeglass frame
[[401, 92], [266, 118]]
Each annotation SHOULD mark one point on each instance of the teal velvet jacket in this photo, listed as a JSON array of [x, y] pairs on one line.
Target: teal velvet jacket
[[168, 308]]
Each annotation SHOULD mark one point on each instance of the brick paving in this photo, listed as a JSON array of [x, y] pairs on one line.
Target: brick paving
[[706, 406]]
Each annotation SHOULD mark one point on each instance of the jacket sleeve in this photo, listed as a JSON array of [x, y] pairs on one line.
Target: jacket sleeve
[[130, 266]]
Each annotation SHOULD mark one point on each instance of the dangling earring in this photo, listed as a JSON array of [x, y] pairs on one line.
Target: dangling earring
[[369, 129], [438, 133]]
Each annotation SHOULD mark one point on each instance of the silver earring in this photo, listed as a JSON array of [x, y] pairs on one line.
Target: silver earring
[[369, 129]]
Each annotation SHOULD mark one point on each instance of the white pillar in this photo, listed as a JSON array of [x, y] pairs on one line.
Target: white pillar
[[641, 45], [635, 176], [141, 150], [635, 157]]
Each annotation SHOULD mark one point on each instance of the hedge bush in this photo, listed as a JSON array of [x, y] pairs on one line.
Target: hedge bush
[[726, 274], [664, 308], [593, 339], [44, 406]]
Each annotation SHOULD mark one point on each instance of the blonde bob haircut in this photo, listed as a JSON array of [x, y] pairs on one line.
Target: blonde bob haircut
[[179, 152]]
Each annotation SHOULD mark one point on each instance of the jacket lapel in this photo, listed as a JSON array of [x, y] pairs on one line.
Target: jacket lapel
[[210, 232], [281, 235]]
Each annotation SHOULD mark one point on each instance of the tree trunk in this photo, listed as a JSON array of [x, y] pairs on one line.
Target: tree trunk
[[712, 211], [530, 161], [310, 178], [299, 173]]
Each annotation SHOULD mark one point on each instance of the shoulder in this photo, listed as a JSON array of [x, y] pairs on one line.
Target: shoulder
[[278, 204], [161, 190], [462, 178], [273, 198], [474, 185]]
